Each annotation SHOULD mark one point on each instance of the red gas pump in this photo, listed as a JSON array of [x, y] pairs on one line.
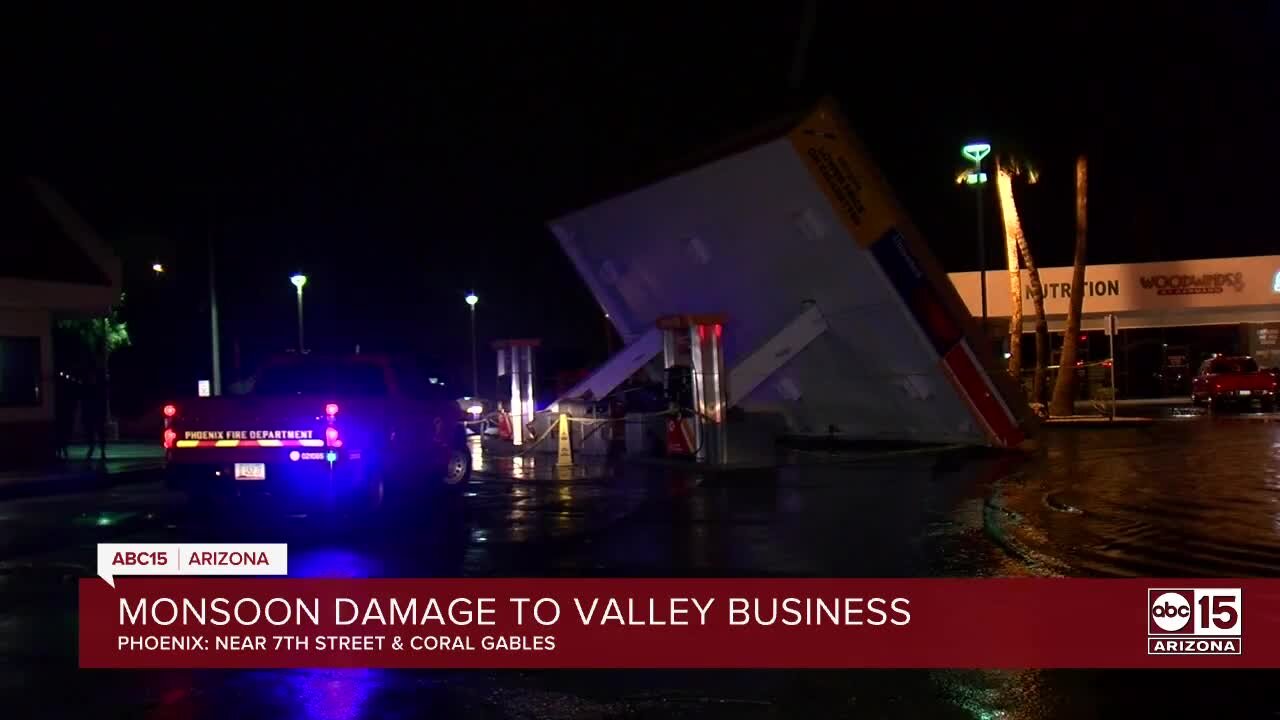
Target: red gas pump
[[693, 357]]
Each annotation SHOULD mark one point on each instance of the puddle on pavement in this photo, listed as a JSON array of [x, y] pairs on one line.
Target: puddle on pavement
[[1193, 499]]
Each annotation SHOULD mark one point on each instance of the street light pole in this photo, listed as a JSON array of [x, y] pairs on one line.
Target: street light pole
[[982, 245], [215, 387], [299, 280], [213, 323], [475, 370], [976, 152]]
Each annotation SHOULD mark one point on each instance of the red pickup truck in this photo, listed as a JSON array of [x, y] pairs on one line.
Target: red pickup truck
[[1233, 381], [336, 432]]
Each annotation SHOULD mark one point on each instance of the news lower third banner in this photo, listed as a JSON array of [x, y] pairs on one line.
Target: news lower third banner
[[281, 622]]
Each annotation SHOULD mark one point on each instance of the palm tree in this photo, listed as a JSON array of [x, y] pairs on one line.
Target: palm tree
[[1016, 167], [1064, 390], [1012, 229]]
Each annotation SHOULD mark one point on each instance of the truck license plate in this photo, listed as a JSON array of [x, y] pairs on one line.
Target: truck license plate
[[251, 471], [1246, 392]]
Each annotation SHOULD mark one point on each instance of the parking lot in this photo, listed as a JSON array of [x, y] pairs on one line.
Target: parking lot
[[1196, 496]]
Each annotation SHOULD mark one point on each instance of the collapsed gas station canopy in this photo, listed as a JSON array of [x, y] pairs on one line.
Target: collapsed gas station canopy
[[838, 317]]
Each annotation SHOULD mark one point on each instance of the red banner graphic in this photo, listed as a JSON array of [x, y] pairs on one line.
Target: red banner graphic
[[668, 623]]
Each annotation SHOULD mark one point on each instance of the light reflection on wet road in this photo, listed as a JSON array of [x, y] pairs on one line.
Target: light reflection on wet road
[[1183, 499], [1194, 498]]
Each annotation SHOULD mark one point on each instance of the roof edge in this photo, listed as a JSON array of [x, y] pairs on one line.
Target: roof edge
[[80, 232]]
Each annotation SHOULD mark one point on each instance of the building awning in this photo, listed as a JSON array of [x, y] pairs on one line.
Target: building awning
[[1179, 293]]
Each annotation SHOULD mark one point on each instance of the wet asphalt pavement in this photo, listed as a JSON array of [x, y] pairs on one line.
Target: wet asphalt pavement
[[1193, 497]]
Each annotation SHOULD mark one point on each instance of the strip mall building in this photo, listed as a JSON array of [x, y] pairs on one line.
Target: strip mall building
[[1169, 314]]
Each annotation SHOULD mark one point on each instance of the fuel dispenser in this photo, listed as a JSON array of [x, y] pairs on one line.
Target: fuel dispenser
[[695, 385]]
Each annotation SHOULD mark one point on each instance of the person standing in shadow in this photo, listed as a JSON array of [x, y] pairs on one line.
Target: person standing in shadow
[[65, 398], [93, 407]]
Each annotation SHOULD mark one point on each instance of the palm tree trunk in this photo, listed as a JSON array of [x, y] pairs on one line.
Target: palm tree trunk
[[1012, 228], [1042, 354], [1064, 390], [1042, 325]]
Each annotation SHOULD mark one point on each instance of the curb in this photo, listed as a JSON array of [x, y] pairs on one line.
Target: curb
[[1250, 418], [1097, 422]]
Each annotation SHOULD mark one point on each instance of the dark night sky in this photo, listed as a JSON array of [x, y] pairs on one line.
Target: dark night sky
[[400, 160]]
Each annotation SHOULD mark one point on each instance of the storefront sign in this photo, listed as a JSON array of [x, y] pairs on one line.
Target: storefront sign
[[1092, 288], [1205, 284], [1225, 284]]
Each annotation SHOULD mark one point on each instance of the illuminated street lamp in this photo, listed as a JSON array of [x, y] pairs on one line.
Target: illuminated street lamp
[[157, 268], [472, 299], [299, 280], [975, 152]]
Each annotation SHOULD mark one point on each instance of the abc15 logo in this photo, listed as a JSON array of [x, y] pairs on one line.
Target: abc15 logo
[[1194, 611]]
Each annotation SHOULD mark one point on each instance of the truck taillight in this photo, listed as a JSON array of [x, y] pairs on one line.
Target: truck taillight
[[331, 410], [170, 412]]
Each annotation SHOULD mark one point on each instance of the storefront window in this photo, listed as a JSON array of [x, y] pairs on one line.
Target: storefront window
[[19, 371]]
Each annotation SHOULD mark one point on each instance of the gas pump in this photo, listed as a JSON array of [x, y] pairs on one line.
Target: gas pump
[[695, 385], [515, 376]]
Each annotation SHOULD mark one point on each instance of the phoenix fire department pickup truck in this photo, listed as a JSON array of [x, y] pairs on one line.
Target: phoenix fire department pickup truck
[[335, 431]]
